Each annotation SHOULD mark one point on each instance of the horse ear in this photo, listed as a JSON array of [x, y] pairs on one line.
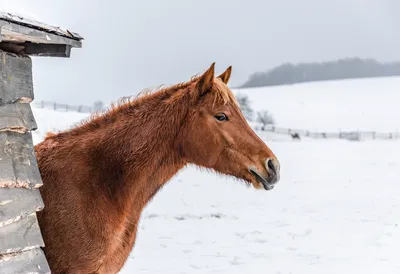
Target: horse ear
[[226, 75], [205, 81]]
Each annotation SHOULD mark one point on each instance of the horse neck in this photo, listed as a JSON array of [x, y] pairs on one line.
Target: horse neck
[[142, 149]]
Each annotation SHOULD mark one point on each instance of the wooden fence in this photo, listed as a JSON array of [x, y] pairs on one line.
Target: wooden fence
[[63, 107], [348, 135]]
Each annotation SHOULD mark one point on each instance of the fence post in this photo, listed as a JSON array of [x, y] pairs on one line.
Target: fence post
[[20, 180], [98, 106]]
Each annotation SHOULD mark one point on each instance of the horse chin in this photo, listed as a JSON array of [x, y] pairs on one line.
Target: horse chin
[[257, 185], [260, 182], [261, 186]]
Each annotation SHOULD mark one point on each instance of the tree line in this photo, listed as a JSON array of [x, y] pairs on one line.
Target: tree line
[[348, 68]]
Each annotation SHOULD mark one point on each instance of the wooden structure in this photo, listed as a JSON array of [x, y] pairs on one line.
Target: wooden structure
[[20, 236]]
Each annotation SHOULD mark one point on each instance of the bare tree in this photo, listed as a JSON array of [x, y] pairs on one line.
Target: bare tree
[[265, 118], [244, 104]]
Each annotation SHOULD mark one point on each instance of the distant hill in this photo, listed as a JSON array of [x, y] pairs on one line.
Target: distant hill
[[347, 68]]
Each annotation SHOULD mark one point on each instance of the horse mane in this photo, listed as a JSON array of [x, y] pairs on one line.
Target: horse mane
[[222, 95]]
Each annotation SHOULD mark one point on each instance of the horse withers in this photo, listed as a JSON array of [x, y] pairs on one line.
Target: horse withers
[[99, 175]]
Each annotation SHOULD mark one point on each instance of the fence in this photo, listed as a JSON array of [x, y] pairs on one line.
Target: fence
[[348, 135], [295, 133], [64, 107]]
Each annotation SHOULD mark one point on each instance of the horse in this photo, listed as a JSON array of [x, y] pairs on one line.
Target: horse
[[99, 174]]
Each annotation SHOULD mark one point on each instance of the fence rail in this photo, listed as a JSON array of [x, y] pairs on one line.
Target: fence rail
[[63, 107], [348, 135], [295, 133]]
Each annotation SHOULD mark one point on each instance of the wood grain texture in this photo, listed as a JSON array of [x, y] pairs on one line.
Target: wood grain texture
[[16, 83], [17, 203], [21, 235], [17, 117], [17, 33], [18, 165], [30, 261], [23, 21]]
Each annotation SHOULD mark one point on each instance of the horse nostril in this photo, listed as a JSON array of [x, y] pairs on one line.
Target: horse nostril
[[271, 166], [273, 169]]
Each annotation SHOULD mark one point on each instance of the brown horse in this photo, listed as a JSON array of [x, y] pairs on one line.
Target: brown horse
[[99, 175]]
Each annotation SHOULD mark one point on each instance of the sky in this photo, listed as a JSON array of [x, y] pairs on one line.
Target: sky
[[132, 45]]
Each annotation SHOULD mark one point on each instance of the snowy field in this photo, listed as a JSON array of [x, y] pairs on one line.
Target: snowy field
[[364, 104], [335, 210]]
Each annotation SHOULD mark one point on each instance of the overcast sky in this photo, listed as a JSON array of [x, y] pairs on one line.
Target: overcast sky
[[131, 45]]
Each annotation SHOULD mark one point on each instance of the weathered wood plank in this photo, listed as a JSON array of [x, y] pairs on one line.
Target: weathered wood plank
[[21, 235], [15, 79], [33, 49], [17, 19], [17, 117], [53, 50], [17, 203], [11, 31], [18, 164], [31, 261]]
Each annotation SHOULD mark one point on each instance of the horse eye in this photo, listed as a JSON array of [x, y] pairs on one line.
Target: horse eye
[[221, 117]]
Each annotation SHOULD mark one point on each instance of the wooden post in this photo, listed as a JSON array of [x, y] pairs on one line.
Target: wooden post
[[20, 199]]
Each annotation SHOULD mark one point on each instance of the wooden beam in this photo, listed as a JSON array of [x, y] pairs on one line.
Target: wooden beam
[[17, 117], [23, 21], [31, 261], [20, 33], [16, 83], [32, 49], [22, 235], [52, 50], [17, 203], [18, 165]]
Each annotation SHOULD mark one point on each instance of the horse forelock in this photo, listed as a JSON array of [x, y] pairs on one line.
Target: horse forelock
[[223, 93]]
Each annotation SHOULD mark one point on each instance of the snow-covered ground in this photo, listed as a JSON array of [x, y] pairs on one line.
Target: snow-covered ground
[[364, 104], [336, 209]]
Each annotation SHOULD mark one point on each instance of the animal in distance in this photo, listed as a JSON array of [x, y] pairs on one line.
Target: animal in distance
[[99, 175]]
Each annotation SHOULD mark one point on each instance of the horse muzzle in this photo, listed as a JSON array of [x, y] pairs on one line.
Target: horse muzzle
[[272, 168]]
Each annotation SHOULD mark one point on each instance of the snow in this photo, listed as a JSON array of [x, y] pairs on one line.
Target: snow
[[48, 120], [364, 104], [335, 210]]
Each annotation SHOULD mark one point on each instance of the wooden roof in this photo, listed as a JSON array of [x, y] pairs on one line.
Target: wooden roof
[[24, 36]]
